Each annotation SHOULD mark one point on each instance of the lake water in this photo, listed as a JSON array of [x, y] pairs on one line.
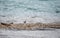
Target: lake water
[[31, 11]]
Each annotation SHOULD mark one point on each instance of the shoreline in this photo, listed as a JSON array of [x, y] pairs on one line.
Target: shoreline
[[30, 26]]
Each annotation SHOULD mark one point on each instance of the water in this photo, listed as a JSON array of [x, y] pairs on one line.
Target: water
[[30, 34], [32, 11]]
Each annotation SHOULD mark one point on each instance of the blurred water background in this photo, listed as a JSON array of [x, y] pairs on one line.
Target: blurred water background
[[31, 11]]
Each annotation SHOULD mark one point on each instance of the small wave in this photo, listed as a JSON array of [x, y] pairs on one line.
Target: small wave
[[43, 0], [33, 9]]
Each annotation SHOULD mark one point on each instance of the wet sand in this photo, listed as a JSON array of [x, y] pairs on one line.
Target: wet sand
[[29, 26], [29, 30]]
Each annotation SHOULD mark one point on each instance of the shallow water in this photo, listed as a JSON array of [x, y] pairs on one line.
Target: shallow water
[[30, 34], [31, 11]]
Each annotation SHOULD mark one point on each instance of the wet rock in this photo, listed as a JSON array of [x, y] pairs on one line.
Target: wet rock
[[24, 21], [5, 24]]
